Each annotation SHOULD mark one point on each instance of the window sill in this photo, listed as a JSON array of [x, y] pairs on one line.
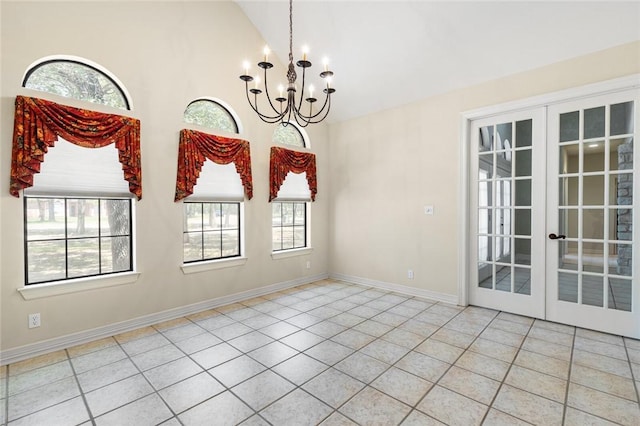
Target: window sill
[[209, 265], [291, 253], [37, 291]]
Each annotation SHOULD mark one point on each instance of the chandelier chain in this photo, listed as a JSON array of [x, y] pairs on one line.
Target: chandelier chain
[[290, 30]]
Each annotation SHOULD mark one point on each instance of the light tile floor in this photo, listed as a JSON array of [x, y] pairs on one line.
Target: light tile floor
[[333, 353]]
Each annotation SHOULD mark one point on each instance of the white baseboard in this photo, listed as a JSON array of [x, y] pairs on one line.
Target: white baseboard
[[20, 353], [403, 289]]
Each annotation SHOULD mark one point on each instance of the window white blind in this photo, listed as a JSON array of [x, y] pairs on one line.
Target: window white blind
[[69, 169], [218, 182], [294, 188]]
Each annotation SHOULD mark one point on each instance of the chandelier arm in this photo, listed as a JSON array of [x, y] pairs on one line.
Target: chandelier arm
[[310, 117], [328, 103], [263, 117], [266, 91], [301, 90]]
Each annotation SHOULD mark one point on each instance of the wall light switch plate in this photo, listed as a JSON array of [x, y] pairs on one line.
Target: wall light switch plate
[[428, 210]]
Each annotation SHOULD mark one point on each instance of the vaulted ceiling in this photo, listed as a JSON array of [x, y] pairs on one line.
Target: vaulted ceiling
[[389, 53]]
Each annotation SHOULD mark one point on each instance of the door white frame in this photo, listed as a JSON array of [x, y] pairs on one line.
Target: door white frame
[[601, 88]]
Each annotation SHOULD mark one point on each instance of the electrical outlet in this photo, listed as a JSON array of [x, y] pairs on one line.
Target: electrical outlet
[[308, 264], [428, 210], [34, 320], [410, 274]]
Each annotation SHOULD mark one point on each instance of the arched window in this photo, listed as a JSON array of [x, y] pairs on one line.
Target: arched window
[[78, 209], [213, 213], [211, 114], [78, 79], [291, 135]]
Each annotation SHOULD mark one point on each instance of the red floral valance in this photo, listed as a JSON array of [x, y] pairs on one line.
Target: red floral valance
[[284, 161], [38, 123], [196, 147]]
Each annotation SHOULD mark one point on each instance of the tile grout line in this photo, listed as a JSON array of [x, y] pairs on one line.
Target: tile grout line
[[82, 394], [506, 374], [633, 379], [566, 392]]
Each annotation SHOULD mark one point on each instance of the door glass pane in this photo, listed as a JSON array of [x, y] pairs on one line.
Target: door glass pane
[[620, 294], [569, 126], [592, 257], [568, 191], [622, 188], [568, 222], [568, 287], [569, 158], [568, 255], [523, 162], [594, 122], [485, 275], [485, 198], [621, 154], [503, 249], [485, 224], [620, 224], [504, 136], [522, 281], [523, 192], [522, 248], [593, 223], [622, 118], [594, 156], [484, 248], [620, 259], [503, 278], [592, 290], [522, 223], [485, 139], [593, 191], [504, 221], [524, 133], [485, 166]]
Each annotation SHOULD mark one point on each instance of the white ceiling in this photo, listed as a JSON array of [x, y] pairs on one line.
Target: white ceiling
[[389, 53]]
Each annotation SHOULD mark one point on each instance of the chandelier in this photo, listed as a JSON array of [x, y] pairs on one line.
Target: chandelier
[[284, 109]]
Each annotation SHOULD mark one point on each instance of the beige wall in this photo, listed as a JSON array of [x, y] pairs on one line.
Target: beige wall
[[166, 54], [386, 167]]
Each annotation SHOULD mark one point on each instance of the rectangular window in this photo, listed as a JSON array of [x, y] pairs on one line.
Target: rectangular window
[[288, 225], [211, 231], [76, 237]]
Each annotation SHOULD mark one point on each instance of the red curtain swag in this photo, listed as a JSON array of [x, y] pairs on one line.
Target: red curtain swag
[[284, 161], [196, 147], [38, 124]]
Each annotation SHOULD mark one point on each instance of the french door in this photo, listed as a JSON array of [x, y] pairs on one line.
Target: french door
[[508, 219], [593, 275], [553, 195]]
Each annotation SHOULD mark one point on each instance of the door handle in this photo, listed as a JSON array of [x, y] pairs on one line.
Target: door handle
[[557, 237]]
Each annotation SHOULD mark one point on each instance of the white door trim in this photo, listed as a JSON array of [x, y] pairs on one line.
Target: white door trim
[[575, 93]]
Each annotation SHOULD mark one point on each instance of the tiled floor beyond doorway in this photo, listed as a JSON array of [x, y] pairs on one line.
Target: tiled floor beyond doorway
[[333, 353]]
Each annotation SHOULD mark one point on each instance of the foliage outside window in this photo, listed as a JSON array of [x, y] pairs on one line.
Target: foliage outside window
[[76, 237], [288, 225], [76, 80], [288, 135], [211, 231], [207, 113]]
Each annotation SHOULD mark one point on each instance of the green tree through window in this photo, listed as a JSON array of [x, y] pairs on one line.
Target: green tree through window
[[76, 80], [208, 113]]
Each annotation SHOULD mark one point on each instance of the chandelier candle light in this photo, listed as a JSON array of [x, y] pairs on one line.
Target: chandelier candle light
[[292, 107]]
